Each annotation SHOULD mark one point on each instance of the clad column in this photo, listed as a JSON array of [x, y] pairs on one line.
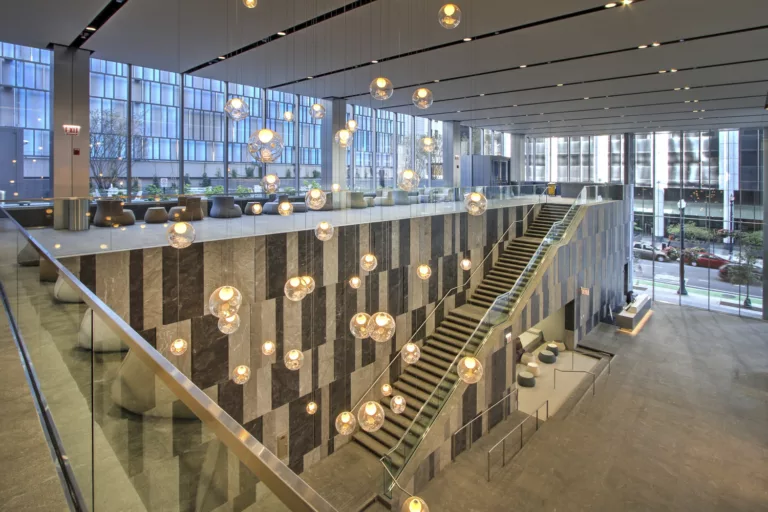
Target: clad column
[[451, 152], [334, 157], [628, 173], [517, 160], [764, 149], [71, 153]]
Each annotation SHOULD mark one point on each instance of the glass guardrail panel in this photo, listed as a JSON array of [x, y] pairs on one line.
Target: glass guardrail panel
[[47, 313]]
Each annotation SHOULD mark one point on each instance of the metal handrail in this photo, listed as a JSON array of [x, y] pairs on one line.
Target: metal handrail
[[447, 294], [594, 378], [293, 491], [470, 423], [528, 267], [503, 440]]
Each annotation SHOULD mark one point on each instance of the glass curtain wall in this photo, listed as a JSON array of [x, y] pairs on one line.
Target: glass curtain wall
[[405, 142], [244, 172], [385, 152], [310, 154], [204, 135], [436, 157], [595, 159], [363, 143], [285, 166], [25, 106], [698, 234], [422, 157]]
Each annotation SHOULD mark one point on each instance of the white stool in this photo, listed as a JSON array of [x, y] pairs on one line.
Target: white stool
[[63, 292], [534, 368], [96, 336]]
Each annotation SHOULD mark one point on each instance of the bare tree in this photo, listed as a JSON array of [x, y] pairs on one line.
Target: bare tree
[[109, 135]]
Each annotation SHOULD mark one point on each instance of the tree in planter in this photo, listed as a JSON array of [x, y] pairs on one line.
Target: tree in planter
[[693, 233], [205, 181], [234, 174], [747, 273], [212, 191], [243, 191], [249, 171], [109, 146], [135, 186]]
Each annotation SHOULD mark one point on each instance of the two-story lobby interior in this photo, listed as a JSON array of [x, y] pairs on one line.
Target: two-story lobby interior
[[373, 255]]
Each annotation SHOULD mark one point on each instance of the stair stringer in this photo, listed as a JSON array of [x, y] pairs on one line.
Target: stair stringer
[[438, 436]]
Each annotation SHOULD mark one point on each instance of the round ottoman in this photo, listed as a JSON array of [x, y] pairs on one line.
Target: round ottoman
[[533, 368], [28, 256], [176, 212], [560, 346], [369, 201], [156, 215], [552, 347], [63, 292], [526, 358], [547, 357], [96, 336], [526, 379]]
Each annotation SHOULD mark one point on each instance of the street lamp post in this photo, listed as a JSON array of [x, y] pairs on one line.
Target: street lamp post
[[681, 206]]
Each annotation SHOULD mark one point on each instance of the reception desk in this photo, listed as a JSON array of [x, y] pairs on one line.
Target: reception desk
[[633, 313]]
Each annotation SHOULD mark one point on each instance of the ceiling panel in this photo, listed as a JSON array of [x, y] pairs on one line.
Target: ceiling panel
[[38, 23]]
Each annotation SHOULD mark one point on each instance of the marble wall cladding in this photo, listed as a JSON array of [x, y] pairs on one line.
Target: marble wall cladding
[[594, 259], [163, 293]]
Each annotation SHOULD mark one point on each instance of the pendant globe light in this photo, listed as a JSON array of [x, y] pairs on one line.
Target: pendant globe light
[[427, 144], [475, 203], [368, 262], [285, 208], [381, 89], [466, 264], [352, 125], [414, 504], [309, 282], [345, 423], [241, 374], [386, 389], [324, 231], [225, 301], [355, 282], [181, 235], [237, 109], [293, 359], [265, 146], [343, 138], [470, 370], [295, 289], [410, 353], [358, 326], [381, 327], [317, 111], [422, 98], [315, 199], [270, 183], [424, 272], [449, 16], [311, 408], [229, 324], [250, 3], [371, 416], [408, 180], [288, 116], [257, 208], [268, 348], [397, 404], [178, 347]]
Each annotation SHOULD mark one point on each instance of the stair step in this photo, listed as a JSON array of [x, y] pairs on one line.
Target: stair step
[[422, 383], [433, 379], [378, 449], [433, 351], [416, 402], [401, 420]]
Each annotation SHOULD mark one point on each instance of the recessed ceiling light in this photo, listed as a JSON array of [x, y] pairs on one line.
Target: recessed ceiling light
[[222, 57], [90, 29], [686, 88], [673, 70], [436, 81], [374, 62], [606, 108], [611, 5], [663, 71], [467, 39], [695, 110], [281, 33], [560, 85], [642, 47], [702, 110], [586, 98], [627, 2], [677, 88], [514, 105], [458, 111], [655, 44], [309, 78]]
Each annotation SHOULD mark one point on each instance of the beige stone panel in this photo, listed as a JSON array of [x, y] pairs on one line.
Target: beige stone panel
[[395, 244], [331, 261], [415, 238], [240, 341], [268, 327], [330, 312], [244, 277], [260, 268], [292, 255], [305, 374], [325, 363], [361, 380], [213, 274], [263, 393], [166, 334], [425, 241], [113, 281], [153, 287], [292, 319], [270, 431]]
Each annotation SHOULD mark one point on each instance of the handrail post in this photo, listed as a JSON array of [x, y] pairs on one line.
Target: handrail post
[[521, 436], [504, 452], [547, 409], [489, 467]]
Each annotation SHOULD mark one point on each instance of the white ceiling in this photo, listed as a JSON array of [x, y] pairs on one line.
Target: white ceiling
[[596, 54]]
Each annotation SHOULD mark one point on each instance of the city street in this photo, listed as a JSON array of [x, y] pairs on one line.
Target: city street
[[669, 273]]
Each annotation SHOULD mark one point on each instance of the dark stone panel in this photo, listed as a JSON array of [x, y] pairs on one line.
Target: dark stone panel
[[381, 245], [191, 281], [491, 226], [340, 396], [534, 305], [438, 236], [231, 399], [187, 435], [463, 231], [439, 314], [190, 466], [279, 327], [285, 385], [210, 352], [394, 292], [349, 251], [171, 280], [136, 443], [256, 428], [368, 352], [433, 282], [461, 299], [276, 262], [418, 316], [505, 218], [405, 242], [519, 215], [313, 319], [88, 271], [344, 356], [136, 285], [303, 432], [247, 495], [469, 409], [498, 386], [150, 335], [315, 368], [450, 272], [340, 290]]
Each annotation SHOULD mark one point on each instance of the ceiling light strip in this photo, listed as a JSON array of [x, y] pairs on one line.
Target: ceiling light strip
[[107, 12]]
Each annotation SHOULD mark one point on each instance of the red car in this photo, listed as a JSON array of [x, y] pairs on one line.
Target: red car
[[708, 260]]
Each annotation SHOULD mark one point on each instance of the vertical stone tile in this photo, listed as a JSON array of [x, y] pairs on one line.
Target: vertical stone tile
[[325, 363], [305, 374], [112, 281], [153, 287], [165, 334], [394, 228], [240, 341], [292, 321], [263, 403], [331, 266]]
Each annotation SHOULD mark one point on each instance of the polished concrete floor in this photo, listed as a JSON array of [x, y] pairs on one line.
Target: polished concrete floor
[[72, 243], [680, 424]]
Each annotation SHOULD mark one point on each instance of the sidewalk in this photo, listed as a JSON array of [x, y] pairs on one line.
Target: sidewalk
[[702, 298]]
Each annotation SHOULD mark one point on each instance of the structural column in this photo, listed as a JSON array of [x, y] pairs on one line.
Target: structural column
[[451, 154], [71, 105], [630, 145], [334, 157], [764, 171], [517, 161]]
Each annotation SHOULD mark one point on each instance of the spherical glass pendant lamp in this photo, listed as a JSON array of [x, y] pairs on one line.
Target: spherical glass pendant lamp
[[345, 423], [397, 404], [317, 111], [293, 359], [270, 183], [368, 262], [352, 125], [237, 109], [315, 199], [386, 389], [408, 180], [181, 235], [381, 327], [250, 3], [410, 353], [257, 208], [288, 116], [424, 272], [381, 88], [475, 203], [309, 282], [241, 374], [265, 146], [414, 504], [285, 208], [311, 408], [343, 138], [422, 98], [371, 416], [229, 324], [225, 301], [295, 289], [466, 264], [268, 348], [178, 346], [470, 370], [358, 326], [355, 282], [324, 231], [449, 16], [427, 144]]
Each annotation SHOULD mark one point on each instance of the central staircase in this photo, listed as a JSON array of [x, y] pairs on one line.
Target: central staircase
[[417, 383]]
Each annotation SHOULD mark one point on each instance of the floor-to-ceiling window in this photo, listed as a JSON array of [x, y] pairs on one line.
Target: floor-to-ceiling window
[[437, 169], [363, 144], [25, 113], [285, 166], [110, 131], [310, 152], [385, 151], [422, 156], [244, 172], [204, 133], [698, 198], [594, 158], [404, 142]]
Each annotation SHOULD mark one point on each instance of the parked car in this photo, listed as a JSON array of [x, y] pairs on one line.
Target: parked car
[[648, 252], [705, 260], [725, 272]]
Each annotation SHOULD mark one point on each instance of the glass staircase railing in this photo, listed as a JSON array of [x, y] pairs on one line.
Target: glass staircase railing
[[398, 457]]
